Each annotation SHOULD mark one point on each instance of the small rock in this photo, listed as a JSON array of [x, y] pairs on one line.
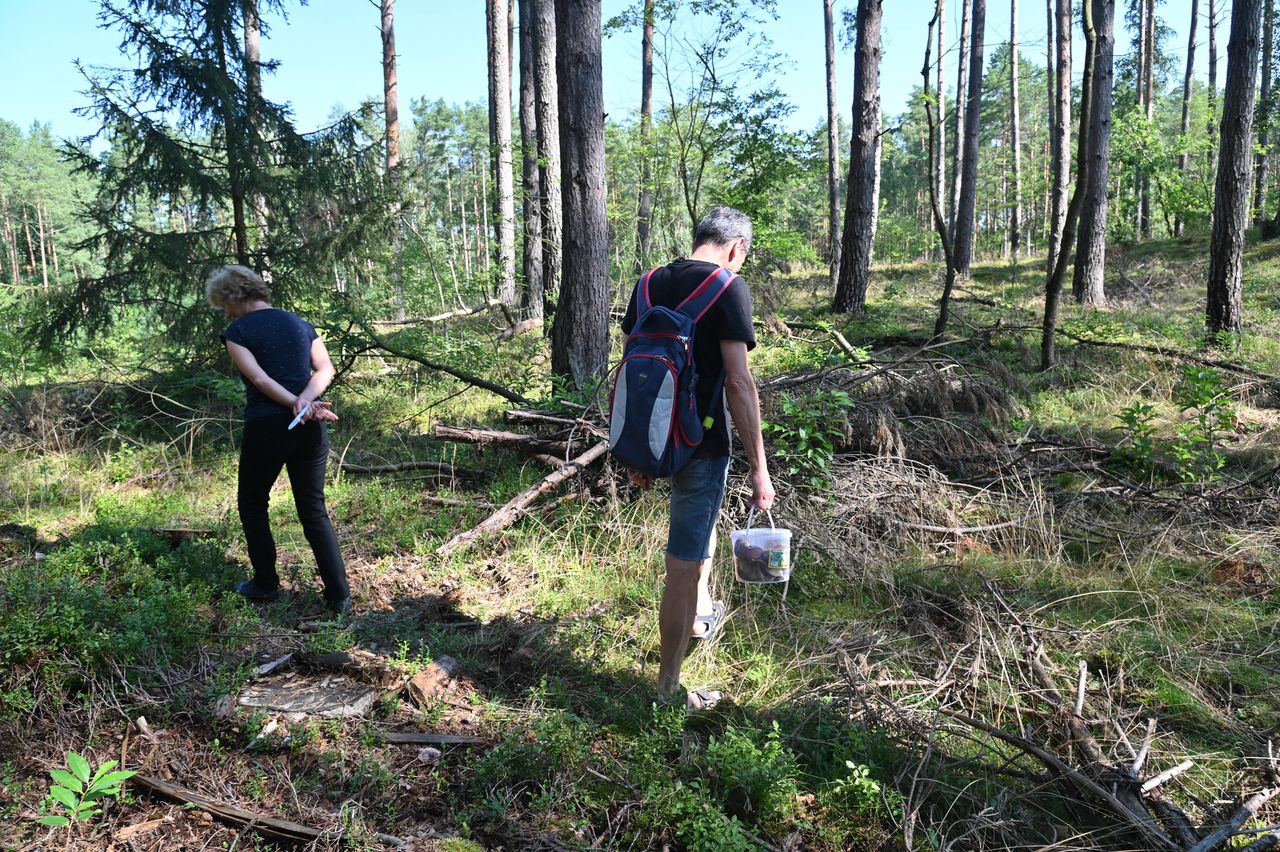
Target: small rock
[[428, 755], [39, 556]]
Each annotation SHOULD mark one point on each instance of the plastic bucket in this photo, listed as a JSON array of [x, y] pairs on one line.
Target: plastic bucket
[[761, 555]]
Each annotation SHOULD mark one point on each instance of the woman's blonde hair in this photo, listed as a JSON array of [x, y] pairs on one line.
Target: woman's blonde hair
[[230, 285]]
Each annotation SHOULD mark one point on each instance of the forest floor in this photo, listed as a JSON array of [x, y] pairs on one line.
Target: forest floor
[[996, 568]]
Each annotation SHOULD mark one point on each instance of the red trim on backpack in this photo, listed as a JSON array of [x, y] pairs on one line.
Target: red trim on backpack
[[706, 282], [717, 297], [644, 292]]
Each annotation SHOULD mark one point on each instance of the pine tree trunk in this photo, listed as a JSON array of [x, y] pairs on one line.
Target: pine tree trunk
[[253, 89], [1264, 114], [1053, 287], [1149, 106], [504, 207], [1185, 127], [1211, 156], [548, 117], [40, 238], [962, 103], [531, 293], [964, 224], [1061, 130], [859, 211], [391, 117], [644, 209], [833, 148], [231, 137], [940, 128], [462, 214], [1231, 195], [1015, 133], [580, 336], [1087, 285]]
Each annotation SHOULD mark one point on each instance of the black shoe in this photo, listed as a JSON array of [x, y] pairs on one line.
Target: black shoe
[[341, 607], [252, 591]]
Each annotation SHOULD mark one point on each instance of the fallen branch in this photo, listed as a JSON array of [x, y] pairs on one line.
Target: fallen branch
[[1084, 782], [477, 381], [494, 437], [271, 827], [1247, 811], [514, 508], [961, 530], [400, 467], [415, 738], [538, 418], [459, 312], [1174, 354]]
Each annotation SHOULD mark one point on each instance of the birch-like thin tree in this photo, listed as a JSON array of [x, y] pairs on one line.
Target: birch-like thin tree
[[860, 201], [1232, 185], [504, 204]]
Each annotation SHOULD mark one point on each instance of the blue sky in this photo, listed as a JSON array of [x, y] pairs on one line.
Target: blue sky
[[330, 51]]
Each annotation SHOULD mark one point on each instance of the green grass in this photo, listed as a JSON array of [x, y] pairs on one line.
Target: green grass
[[560, 672]]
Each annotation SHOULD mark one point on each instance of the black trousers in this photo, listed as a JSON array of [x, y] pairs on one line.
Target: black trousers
[[268, 446]]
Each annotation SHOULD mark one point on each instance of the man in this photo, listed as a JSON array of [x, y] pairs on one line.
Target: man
[[722, 339]]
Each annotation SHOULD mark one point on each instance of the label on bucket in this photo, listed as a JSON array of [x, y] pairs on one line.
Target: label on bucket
[[777, 560]]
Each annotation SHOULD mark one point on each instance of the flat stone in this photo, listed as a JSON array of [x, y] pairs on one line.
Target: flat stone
[[328, 698]]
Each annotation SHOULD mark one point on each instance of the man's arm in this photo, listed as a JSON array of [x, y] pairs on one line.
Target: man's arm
[[744, 405]]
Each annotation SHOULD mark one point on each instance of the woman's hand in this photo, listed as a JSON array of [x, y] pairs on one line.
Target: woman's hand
[[321, 412]]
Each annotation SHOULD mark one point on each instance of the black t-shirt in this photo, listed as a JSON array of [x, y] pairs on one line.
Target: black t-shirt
[[281, 342], [728, 319]]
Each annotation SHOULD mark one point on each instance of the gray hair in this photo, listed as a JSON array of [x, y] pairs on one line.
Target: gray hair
[[723, 225], [229, 285]]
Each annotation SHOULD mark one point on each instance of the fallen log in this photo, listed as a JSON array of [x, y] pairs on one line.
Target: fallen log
[[508, 514], [520, 328]]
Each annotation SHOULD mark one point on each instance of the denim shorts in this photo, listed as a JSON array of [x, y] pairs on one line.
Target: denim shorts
[[696, 494]]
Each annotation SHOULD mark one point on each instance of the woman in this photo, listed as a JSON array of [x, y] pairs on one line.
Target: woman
[[285, 368]]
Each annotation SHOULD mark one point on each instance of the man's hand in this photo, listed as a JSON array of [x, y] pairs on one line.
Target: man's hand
[[762, 492], [643, 480]]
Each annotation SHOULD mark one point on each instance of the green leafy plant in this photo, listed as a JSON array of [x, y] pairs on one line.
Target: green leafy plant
[[78, 790], [807, 432], [1195, 452], [1137, 447]]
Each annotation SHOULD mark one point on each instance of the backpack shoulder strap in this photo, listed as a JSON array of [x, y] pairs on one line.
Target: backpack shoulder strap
[[643, 302], [706, 293]]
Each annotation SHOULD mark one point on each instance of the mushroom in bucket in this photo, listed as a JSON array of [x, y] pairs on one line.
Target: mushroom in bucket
[[762, 554]]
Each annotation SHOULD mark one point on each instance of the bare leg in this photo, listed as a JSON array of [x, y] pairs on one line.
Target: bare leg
[[675, 619], [705, 604]]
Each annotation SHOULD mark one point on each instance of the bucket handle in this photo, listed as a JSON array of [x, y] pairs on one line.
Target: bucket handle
[[751, 516]]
